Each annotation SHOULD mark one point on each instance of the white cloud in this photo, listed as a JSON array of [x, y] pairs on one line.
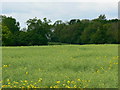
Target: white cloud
[[62, 10]]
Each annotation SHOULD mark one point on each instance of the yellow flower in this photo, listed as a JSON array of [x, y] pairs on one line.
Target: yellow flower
[[8, 80], [97, 71], [26, 73], [115, 63], [78, 79], [8, 85], [14, 86], [40, 79], [63, 84], [57, 82], [25, 81], [74, 86], [23, 84], [67, 86], [68, 82], [55, 86], [28, 86], [5, 65], [16, 82], [22, 87], [3, 85], [50, 86]]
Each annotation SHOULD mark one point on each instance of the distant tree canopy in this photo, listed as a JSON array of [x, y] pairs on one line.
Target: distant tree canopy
[[38, 31], [9, 29], [75, 31]]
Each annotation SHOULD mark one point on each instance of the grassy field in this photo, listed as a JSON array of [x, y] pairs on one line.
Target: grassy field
[[65, 66]]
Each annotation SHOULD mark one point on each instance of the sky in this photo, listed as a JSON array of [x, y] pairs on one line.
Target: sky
[[64, 11]]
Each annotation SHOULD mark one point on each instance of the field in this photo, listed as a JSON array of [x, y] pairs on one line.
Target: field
[[60, 66]]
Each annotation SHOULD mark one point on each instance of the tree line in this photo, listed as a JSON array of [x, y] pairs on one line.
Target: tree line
[[76, 31]]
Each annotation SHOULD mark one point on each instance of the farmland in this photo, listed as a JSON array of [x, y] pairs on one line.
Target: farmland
[[60, 66]]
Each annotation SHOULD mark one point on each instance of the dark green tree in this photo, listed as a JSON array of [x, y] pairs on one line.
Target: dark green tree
[[38, 31], [11, 23]]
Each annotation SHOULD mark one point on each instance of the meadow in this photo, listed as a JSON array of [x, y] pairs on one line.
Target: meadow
[[60, 66]]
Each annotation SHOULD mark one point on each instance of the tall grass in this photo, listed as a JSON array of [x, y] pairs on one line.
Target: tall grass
[[69, 66]]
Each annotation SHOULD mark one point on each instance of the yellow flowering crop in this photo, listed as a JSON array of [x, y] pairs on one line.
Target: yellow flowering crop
[[68, 82], [26, 72], [57, 82], [78, 79]]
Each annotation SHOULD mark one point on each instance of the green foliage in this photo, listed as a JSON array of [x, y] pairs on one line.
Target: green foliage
[[38, 31], [7, 36], [96, 31], [75, 31], [9, 29], [10, 23]]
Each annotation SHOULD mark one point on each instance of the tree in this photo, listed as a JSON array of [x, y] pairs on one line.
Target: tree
[[7, 36], [38, 31], [112, 32], [11, 23], [74, 21], [75, 31], [9, 29], [102, 17], [57, 31]]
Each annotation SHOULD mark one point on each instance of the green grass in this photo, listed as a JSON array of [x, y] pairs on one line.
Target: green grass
[[81, 66]]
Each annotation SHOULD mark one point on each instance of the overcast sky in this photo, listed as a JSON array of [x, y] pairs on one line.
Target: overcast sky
[[65, 11]]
